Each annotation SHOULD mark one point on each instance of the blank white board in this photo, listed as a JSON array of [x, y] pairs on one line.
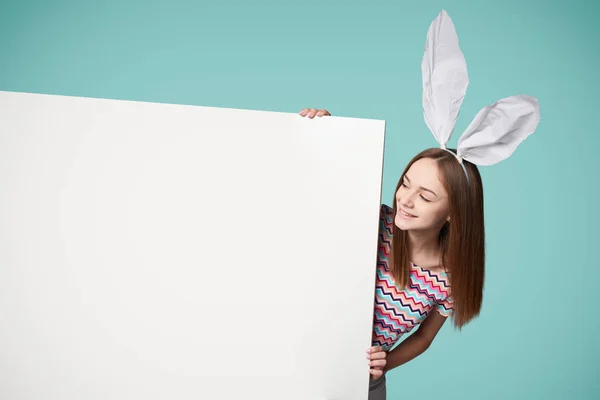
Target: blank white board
[[155, 251]]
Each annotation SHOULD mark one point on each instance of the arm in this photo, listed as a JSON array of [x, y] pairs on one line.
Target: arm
[[416, 343]]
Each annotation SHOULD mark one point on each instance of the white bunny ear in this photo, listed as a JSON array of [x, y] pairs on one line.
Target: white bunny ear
[[445, 78], [497, 130]]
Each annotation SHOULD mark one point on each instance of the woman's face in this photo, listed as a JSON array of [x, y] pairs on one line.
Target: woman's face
[[421, 199]]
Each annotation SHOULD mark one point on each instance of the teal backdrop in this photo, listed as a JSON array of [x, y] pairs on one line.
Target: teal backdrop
[[538, 334]]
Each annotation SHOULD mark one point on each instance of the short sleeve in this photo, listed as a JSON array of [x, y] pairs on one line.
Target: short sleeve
[[445, 306], [384, 242]]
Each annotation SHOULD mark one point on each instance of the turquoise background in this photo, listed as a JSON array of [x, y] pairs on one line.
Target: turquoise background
[[538, 335]]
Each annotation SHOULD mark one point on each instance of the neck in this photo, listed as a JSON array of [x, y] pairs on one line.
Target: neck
[[424, 245]]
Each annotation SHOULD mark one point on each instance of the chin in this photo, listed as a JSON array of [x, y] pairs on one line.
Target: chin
[[403, 224]]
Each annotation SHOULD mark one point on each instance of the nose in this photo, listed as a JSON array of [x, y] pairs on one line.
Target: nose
[[406, 199]]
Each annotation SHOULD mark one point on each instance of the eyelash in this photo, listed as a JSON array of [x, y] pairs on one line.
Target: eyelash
[[428, 201]]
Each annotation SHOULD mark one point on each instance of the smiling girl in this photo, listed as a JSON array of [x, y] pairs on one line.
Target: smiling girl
[[431, 247]]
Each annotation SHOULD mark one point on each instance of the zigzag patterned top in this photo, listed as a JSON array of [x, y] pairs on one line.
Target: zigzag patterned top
[[398, 311]]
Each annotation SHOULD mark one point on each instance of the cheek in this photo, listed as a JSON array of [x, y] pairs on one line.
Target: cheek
[[435, 212]]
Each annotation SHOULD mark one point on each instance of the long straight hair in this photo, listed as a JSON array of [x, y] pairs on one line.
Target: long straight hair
[[461, 240]]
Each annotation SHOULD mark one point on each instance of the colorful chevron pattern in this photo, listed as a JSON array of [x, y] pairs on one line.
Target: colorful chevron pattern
[[398, 311]]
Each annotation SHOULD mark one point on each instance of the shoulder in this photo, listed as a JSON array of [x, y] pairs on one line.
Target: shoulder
[[385, 209], [386, 218], [386, 212]]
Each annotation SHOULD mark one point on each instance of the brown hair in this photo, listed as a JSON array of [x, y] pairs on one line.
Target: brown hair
[[462, 239]]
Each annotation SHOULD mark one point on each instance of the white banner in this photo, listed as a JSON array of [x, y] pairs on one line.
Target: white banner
[[154, 251]]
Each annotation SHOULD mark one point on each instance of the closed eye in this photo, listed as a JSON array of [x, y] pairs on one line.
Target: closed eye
[[403, 184]]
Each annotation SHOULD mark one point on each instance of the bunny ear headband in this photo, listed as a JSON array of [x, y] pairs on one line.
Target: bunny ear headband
[[497, 129]]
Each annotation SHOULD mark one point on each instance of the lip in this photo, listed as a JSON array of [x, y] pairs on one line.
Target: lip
[[403, 213]]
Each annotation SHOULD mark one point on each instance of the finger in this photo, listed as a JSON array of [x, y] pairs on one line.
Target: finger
[[374, 349], [376, 352], [377, 356], [377, 363], [323, 113], [377, 373], [303, 112], [312, 113]]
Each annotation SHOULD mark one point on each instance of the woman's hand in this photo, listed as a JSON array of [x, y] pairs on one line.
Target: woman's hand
[[313, 112], [377, 361]]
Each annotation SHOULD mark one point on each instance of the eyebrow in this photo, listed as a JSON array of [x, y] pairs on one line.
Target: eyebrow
[[421, 187]]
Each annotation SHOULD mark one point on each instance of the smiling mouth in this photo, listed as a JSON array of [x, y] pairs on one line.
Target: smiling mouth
[[407, 215]]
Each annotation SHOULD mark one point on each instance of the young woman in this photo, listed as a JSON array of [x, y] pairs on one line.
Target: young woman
[[436, 221], [431, 255]]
